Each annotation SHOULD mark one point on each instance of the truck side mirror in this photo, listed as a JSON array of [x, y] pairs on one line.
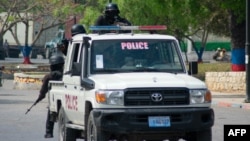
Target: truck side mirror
[[193, 68], [88, 83]]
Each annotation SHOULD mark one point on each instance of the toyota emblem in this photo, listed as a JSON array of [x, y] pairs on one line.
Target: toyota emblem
[[156, 97]]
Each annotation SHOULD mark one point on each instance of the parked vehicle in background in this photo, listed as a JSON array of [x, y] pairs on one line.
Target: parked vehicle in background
[[51, 46]]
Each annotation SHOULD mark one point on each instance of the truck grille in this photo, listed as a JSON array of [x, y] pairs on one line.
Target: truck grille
[[164, 96]]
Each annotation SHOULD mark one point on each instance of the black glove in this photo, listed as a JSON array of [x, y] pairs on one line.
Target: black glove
[[57, 75]]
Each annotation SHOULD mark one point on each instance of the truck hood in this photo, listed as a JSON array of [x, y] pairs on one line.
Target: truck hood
[[142, 80]]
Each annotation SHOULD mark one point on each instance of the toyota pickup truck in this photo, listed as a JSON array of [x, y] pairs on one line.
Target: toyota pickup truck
[[129, 87]]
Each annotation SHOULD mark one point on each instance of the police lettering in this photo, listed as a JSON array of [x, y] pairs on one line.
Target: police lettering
[[134, 45], [71, 102]]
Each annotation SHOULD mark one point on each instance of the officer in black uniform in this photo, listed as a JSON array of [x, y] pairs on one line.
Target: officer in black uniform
[[111, 17], [56, 68], [75, 29]]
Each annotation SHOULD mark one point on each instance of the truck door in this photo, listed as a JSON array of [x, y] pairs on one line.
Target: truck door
[[73, 97]]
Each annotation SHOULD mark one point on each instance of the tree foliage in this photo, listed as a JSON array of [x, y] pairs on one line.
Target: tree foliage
[[49, 13], [184, 18], [187, 17]]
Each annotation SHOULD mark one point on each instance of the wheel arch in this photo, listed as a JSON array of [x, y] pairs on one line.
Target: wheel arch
[[88, 108]]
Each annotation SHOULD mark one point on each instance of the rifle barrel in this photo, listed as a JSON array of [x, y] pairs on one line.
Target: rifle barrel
[[30, 108]]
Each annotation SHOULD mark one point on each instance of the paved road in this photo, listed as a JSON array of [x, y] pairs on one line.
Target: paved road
[[228, 116], [15, 125]]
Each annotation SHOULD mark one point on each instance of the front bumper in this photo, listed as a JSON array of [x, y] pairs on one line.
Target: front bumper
[[135, 121]]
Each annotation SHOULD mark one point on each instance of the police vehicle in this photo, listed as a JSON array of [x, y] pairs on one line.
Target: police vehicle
[[129, 86]]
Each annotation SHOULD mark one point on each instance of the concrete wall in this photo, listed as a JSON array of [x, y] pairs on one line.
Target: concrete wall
[[231, 82], [28, 81]]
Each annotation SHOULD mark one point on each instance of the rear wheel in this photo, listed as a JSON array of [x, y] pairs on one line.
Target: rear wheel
[[94, 133], [65, 134]]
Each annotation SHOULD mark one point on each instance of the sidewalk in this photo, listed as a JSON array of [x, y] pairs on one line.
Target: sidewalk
[[20, 61], [230, 100]]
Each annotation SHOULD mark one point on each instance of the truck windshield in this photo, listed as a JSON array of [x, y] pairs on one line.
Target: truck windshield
[[117, 56]]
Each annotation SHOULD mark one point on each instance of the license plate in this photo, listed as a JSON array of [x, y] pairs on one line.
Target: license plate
[[159, 121]]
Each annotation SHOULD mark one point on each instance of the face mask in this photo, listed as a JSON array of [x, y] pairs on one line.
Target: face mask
[[111, 13]]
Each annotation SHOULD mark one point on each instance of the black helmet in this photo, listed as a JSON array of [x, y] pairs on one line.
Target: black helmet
[[112, 7], [77, 29], [56, 59]]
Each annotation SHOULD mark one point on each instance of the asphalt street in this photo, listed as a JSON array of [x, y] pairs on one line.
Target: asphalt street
[[15, 125]]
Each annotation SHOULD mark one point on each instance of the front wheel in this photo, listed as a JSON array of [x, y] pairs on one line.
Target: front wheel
[[205, 135], [94, 133], [65, 134]]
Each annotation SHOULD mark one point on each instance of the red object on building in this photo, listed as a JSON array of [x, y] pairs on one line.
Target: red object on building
[[236, 67], [72, 20]]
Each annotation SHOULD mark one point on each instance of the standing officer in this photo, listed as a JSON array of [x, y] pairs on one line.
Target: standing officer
[[75, 29], [56, 72], [6, 48], [111, 17]]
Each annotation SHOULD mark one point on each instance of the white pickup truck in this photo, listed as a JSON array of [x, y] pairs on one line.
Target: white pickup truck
[[129, 87]]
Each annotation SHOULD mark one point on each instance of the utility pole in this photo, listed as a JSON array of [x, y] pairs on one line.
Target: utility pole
[[247, 100]]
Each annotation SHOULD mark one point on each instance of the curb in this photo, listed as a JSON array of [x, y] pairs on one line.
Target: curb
[[231, 104]]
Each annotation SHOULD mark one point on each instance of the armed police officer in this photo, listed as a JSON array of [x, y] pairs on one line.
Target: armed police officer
[[111, 17], [56, 73], [63, 45]]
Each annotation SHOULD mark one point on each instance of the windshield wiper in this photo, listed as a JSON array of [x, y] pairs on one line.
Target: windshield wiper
[[146, 69], [107, 71]]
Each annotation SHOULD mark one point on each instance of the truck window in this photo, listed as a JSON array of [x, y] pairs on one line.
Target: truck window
[[75, 65], [109, 56]]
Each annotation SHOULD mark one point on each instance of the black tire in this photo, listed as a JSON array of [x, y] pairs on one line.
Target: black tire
[[205, 135], [93, 133], [65, 134]]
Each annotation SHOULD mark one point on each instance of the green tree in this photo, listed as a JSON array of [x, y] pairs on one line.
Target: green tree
[[49, 13], [184, 19], [237, 25]]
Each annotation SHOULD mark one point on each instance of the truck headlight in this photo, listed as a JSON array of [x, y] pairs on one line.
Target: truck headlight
[[200, 96], [110, 97]]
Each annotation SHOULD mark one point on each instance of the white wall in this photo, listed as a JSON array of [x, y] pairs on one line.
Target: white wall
[[20, 29], [34, 27]]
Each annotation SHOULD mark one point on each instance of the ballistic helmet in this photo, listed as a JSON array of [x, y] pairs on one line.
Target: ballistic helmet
[[56, 59], [77, 29], [112, 7]]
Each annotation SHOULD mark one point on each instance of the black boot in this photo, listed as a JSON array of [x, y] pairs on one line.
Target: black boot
[[48, 135], [49, 127]]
